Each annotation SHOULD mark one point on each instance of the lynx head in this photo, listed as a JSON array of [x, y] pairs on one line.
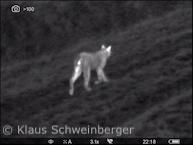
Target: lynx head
[[107, 50]]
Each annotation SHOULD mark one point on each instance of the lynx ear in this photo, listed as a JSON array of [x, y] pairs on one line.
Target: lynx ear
[[103, 46], [109, 49]]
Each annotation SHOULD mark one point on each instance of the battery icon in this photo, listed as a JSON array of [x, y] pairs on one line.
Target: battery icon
[[174, 141]]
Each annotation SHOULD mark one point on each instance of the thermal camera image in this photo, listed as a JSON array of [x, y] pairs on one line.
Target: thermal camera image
[[96, 70]]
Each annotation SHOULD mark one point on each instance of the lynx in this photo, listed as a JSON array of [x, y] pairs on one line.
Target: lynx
[[86, 62]]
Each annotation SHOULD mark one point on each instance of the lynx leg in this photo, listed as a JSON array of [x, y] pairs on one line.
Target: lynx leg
[[87, 79], [75, 76], [99, 75], [104, 76]]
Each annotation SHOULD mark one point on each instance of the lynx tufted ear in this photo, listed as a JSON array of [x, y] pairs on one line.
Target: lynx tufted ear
[[103, 46], [109, 48]]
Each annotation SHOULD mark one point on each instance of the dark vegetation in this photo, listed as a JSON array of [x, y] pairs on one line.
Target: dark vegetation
[[150, 68], [55, 26]]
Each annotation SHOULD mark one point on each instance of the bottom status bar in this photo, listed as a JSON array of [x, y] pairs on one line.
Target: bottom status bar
[[96, 141]]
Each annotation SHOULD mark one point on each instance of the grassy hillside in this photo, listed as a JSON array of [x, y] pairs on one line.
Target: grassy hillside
[[54, 25], [150, 86]]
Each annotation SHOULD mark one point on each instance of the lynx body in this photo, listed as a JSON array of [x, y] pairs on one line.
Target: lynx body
[[85, 62]]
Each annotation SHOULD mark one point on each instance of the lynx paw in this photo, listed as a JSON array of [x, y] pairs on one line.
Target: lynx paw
[[71, 92], [97, 82], [88, 89]]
